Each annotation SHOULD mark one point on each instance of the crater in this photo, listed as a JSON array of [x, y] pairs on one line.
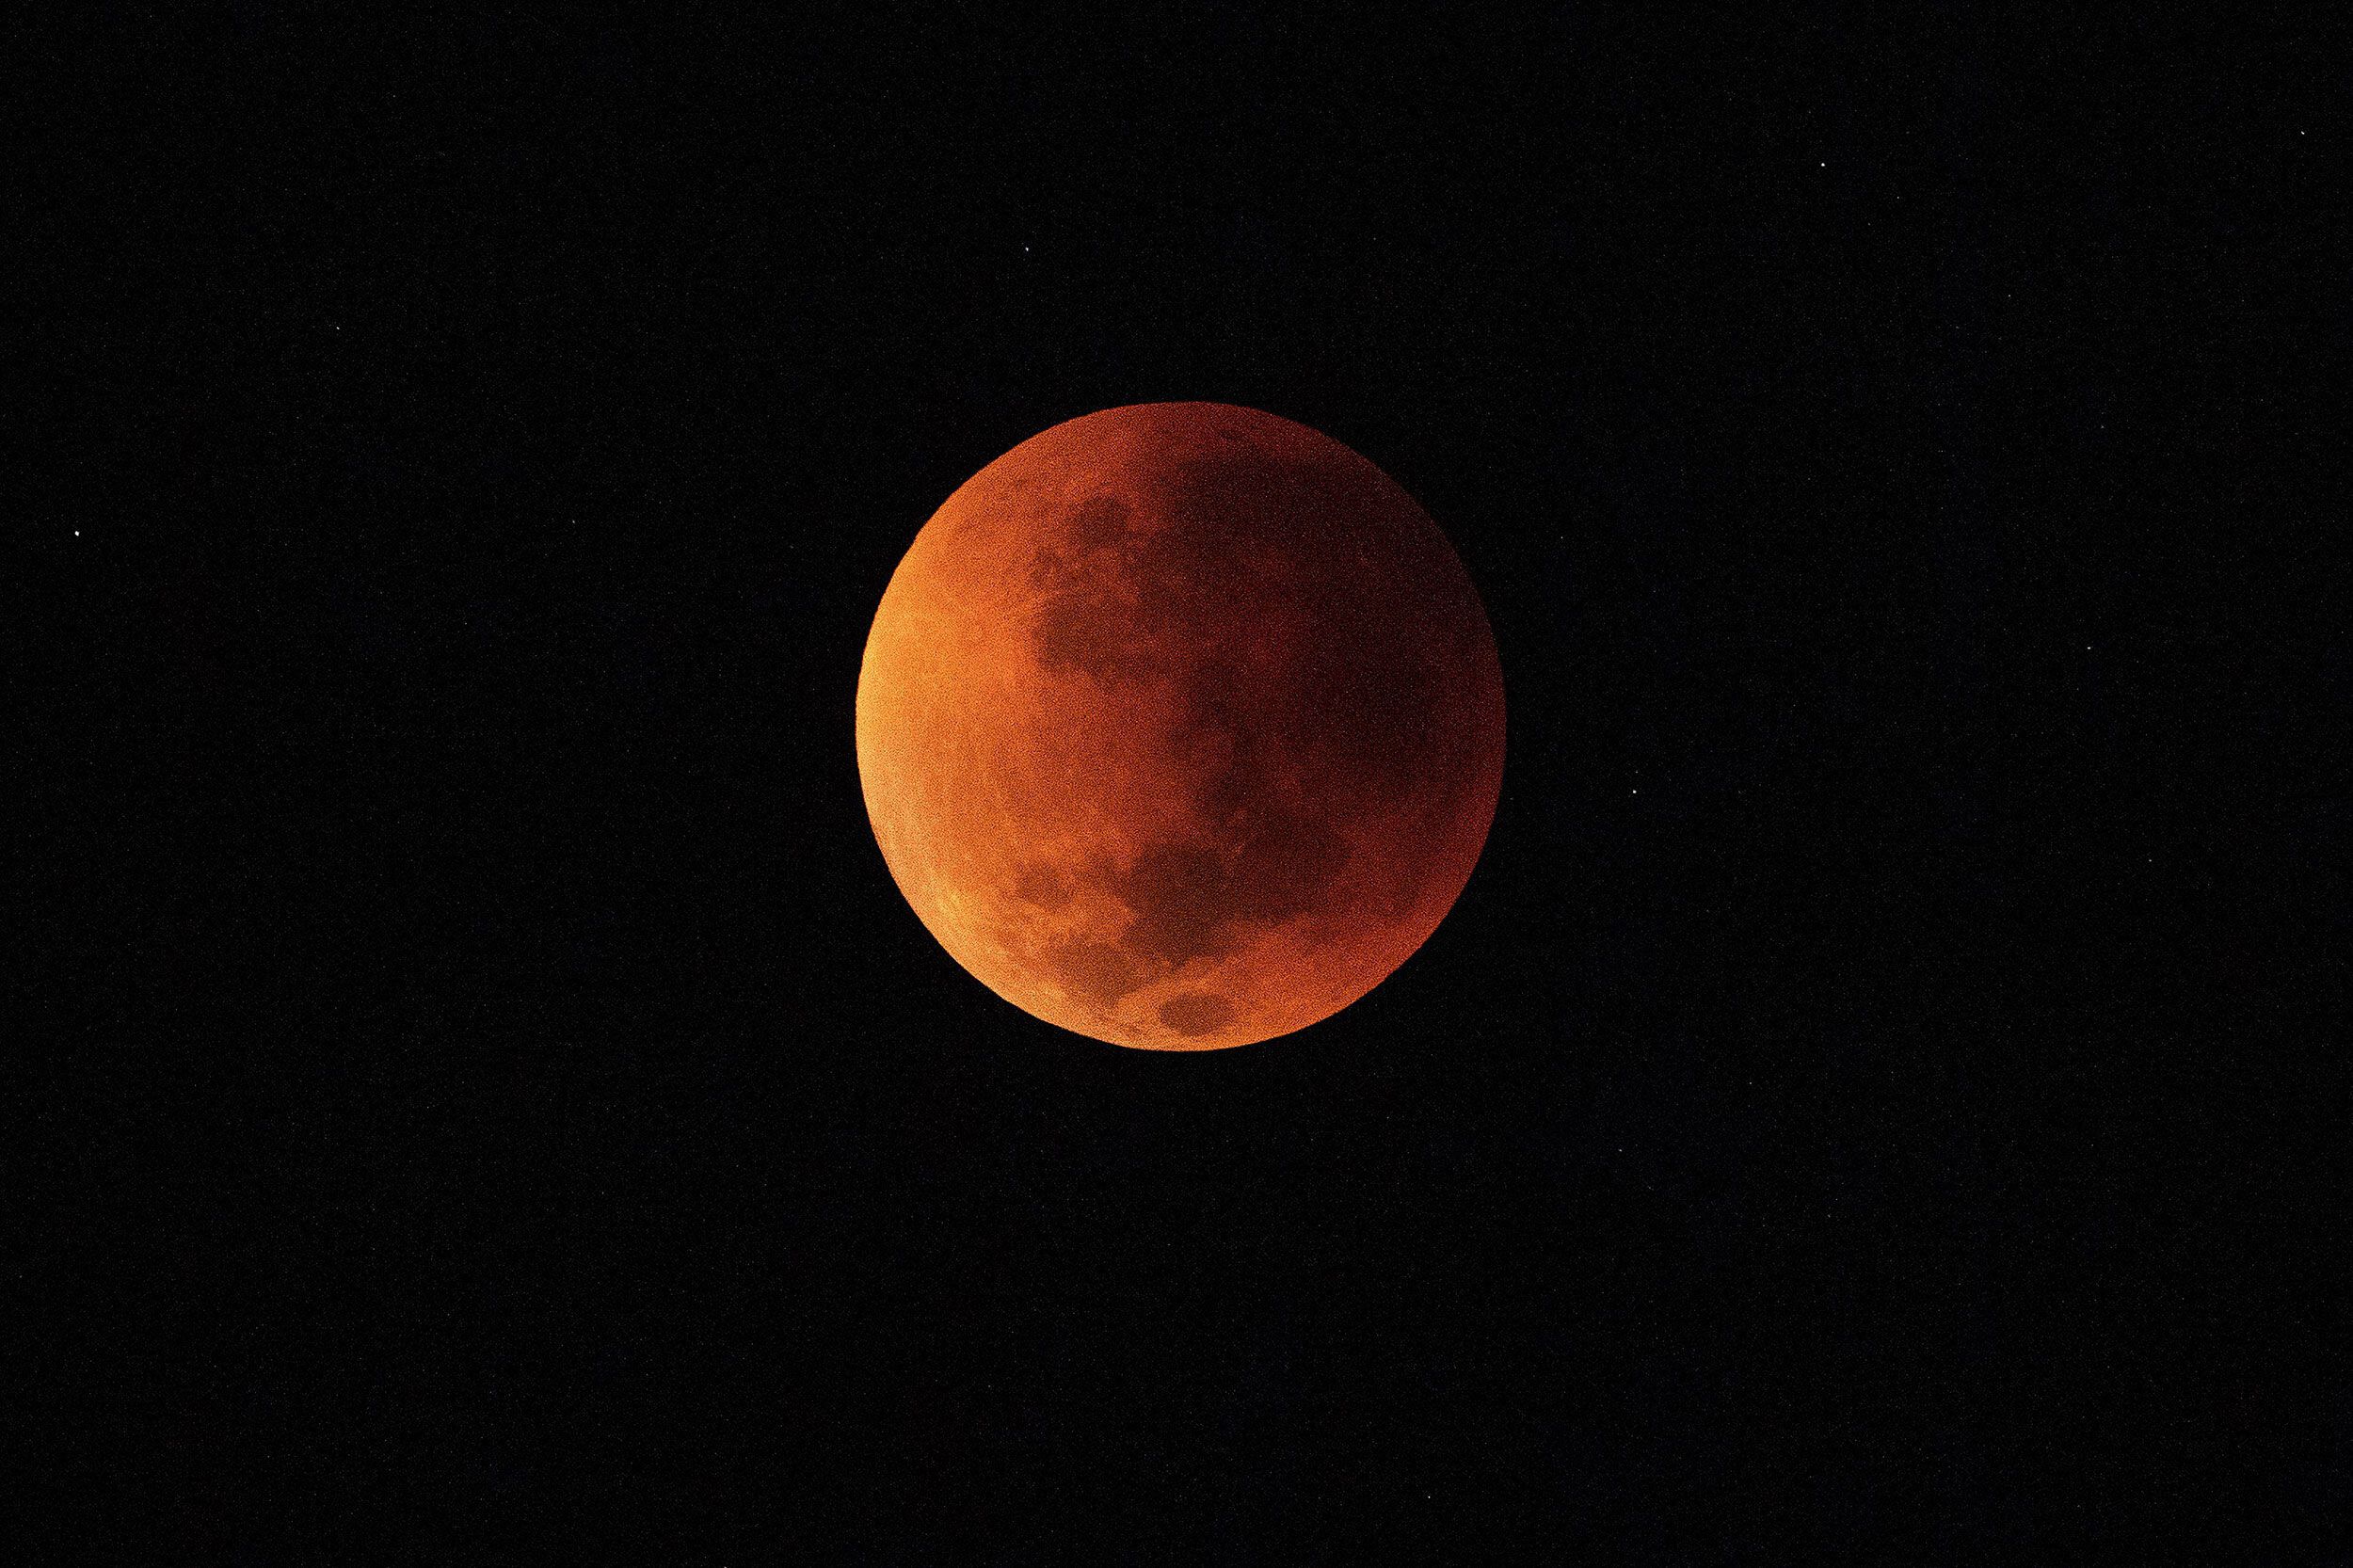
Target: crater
[[1095, 523], [1095, 973], [1042, 885], [1196, 1013], [1074, 633]]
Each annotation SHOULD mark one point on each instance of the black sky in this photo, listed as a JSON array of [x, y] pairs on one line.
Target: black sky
[[505, 1091]]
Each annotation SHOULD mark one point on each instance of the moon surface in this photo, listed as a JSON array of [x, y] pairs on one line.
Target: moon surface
[[1180, 726]]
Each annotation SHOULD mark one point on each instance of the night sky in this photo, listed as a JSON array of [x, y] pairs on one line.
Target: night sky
[[506, 1106]]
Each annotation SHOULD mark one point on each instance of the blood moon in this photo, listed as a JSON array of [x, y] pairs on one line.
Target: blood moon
[[1180, 726]]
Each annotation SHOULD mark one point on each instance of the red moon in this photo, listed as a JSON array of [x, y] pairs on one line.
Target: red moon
[[1180, 726]]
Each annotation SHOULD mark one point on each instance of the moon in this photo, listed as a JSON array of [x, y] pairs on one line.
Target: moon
[[1180, 726]]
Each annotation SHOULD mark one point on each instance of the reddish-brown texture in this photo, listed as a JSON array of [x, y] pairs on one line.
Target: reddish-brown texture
[[1180, 726]]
